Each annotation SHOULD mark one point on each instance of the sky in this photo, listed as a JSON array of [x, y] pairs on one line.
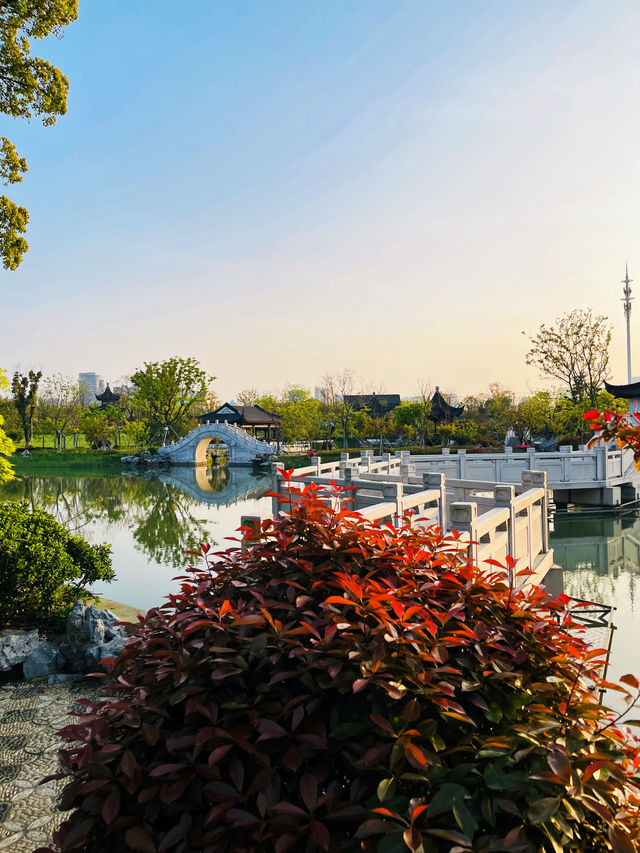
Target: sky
[[287, 189]]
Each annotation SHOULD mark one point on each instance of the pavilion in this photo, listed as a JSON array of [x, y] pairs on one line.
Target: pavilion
[[253, 419], [442, 412], [107, 398]]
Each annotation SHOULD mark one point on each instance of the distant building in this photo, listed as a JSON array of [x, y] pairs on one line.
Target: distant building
[[92, 384], [320, 394], [376, 405]]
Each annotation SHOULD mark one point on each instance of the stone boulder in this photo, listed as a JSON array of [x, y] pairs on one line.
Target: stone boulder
[[41, 662], [16, 646], [91, 635]]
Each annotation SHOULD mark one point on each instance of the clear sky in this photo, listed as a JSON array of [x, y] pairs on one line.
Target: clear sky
[[287, 188]]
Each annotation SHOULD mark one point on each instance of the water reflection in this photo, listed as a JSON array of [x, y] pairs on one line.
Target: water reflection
[[159, 509], [600, 554]]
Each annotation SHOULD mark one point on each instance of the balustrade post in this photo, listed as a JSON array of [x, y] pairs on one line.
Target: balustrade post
[[464, 516], [433, 480], [386, 457], [538, 480], [601, 462], [407, 471], [394, 492], [504, 495], [462, 464], [565, 456], [531, 454], [318, 463]]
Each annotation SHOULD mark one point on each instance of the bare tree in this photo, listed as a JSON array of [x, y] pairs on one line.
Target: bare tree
[[574, 350], [338, 387], [247, 397], [425, 393], [61, 404]]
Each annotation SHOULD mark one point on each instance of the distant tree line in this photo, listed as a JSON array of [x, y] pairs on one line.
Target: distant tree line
[[162, 400]]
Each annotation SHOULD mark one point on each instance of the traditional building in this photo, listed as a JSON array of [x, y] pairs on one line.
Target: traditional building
[[256, 420], [442, 412], [377, 405], [107, 398]]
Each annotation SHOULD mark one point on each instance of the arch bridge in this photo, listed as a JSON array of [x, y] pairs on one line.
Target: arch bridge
[[243, 448]]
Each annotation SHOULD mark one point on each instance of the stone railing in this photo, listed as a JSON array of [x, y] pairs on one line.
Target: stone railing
[[495, 519]]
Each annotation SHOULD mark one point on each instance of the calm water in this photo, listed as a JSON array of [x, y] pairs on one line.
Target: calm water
[[151, 521], [600, 552]]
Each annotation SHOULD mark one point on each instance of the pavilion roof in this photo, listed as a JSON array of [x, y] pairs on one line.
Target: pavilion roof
[[441, 411], [108, 398], [243, 415], [627, 392]]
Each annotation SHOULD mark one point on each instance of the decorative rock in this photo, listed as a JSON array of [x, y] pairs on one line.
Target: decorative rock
[[41, 662], [17, 645], [113, 648], [93, 626], [65, 677]]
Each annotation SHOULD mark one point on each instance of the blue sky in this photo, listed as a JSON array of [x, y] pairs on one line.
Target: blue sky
[[285, 189]]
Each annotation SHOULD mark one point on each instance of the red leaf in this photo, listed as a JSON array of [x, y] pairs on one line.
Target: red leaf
[[309, 791], [620, 842], [320, 834], [412, 838], [138, 838], [110, 807], [165, 769]]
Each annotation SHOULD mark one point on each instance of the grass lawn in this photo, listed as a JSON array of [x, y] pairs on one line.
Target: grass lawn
[[66, 461]]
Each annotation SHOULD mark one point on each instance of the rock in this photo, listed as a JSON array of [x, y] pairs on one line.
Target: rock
[[113, 648], [64, 677], [41, 662], [16, 645], [75, 620], [93, 626]]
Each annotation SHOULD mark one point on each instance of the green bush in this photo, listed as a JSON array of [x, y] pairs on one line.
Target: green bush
[[43, 567], [346, 686]]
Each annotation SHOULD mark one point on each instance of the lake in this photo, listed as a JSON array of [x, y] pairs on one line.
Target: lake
[[150, 521]]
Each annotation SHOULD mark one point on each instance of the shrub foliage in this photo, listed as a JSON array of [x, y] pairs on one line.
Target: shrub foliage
[[341, 686], [43, 567]]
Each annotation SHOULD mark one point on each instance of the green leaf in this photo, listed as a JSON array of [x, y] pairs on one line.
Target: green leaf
[[386, 789], [542, 809], [445, 798]]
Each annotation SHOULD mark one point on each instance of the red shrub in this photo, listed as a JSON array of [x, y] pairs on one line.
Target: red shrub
[[344, 686]]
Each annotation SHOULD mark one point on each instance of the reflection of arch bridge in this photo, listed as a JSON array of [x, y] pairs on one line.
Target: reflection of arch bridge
[[240, 485], [192, 448]]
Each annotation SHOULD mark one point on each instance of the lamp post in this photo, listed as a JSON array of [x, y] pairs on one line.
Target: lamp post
[[626, 303]]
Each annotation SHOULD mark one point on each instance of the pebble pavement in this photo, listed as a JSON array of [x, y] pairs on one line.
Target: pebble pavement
[[30, 715]]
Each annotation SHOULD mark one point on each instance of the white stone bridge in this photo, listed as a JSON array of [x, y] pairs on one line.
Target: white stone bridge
[[243, 448]]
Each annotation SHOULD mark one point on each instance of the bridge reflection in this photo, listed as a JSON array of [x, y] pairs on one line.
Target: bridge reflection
[[217, 486]]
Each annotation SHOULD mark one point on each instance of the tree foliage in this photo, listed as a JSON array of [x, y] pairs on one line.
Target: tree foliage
[[29, 87], [24, 388], [168, 392], [61, 404], [6, 445], [42, 566], [344, 686], [575, 350]]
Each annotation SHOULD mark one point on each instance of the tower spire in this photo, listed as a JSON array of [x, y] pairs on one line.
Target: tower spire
[[626, 304]]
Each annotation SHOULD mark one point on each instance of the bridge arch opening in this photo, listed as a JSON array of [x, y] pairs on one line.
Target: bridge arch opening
[[203, 449]]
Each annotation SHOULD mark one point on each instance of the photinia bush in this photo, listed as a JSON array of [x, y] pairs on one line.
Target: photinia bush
[[622, 426], [340, 685]]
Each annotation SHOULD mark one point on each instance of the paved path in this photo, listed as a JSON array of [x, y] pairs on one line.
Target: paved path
[[30, 714]]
